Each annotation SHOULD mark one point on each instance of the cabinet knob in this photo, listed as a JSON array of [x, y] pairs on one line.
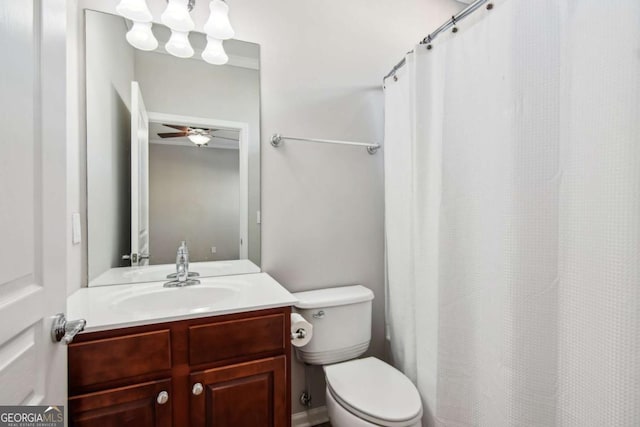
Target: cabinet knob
[[163, 397], [197, 389]]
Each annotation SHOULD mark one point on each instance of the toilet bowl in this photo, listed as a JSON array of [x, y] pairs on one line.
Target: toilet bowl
[[369, 392], [360, 392]]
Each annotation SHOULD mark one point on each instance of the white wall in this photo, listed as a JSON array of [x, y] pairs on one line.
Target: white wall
[[193, 196], [108, 86], [322, 65]]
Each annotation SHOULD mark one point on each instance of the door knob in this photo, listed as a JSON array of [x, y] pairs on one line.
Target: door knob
[[65, 331], [163, 397], [197, 389]]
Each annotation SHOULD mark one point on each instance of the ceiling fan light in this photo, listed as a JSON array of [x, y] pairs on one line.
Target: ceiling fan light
[[179, 45], [136, 10], [218, 25], [199, 139], [141, 37], [214, 52], [176, 16]]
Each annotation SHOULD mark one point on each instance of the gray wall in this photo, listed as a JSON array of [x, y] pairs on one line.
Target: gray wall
[[108, 143], [193, 196], [321, 72], [195, 88]]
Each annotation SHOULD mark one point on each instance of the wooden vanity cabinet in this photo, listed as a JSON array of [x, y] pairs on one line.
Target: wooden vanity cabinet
[[230, 370]]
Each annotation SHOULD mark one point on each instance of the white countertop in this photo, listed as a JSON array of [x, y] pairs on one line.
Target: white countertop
[[122, 306]]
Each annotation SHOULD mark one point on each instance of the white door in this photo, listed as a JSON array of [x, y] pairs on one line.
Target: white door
[[139, 178], [33, 222]]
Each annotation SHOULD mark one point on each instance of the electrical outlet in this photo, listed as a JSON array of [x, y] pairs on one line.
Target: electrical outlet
[[213, 249]]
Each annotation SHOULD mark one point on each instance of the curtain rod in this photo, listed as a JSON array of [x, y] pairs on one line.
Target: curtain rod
[[444, 27], [277, 140]]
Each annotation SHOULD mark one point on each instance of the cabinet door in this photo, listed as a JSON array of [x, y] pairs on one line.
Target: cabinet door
[[248, 394], [140, 405]]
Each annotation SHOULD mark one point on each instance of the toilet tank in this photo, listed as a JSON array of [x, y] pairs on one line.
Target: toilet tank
[[341, 319]]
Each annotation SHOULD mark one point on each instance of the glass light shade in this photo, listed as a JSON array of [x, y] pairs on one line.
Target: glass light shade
[[179, 45], [218, 25], [176, 16], [214, 52], [199, 139], [136, 10], [141, 37]]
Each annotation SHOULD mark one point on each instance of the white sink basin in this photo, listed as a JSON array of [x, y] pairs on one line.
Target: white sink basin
[[122, 306], [189, 299]]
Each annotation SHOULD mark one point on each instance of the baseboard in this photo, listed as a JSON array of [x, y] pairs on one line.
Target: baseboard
[[312, 417]]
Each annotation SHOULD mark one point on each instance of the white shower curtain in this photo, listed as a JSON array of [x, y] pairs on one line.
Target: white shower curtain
[[512, 179]]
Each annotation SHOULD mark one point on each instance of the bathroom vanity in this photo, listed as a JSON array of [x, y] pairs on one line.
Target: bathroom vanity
[[221, 365]]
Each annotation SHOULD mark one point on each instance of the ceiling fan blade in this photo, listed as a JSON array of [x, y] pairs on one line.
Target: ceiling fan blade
[[182, 128], [172, 134]]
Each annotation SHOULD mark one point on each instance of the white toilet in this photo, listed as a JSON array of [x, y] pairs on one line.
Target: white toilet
[[360, 392]]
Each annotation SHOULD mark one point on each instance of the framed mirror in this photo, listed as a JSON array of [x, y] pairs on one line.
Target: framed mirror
[[173, 155]]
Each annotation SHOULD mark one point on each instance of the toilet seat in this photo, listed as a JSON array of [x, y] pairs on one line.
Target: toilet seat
[[374, 391]]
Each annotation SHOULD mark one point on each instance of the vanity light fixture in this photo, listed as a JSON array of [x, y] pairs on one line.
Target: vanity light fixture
[[141, 37], [218, 25], [176, 16], [179, 45], [199, 139], [214, 52]]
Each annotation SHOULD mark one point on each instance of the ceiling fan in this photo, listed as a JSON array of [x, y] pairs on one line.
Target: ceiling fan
[[199, 136]]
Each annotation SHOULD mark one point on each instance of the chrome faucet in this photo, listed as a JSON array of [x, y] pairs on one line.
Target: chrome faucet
[[182, 262], [182, 274]]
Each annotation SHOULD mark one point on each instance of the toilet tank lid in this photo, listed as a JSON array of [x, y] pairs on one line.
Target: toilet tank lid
[[331, 297]]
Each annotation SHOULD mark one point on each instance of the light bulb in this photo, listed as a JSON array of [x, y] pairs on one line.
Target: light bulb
[[136, 10], [178, 44], [218, 25], [199, 139], [176, 16], [214, 52], [141, 37]]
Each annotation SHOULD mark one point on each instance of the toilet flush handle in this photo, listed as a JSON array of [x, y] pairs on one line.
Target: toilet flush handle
[[318, 315]]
